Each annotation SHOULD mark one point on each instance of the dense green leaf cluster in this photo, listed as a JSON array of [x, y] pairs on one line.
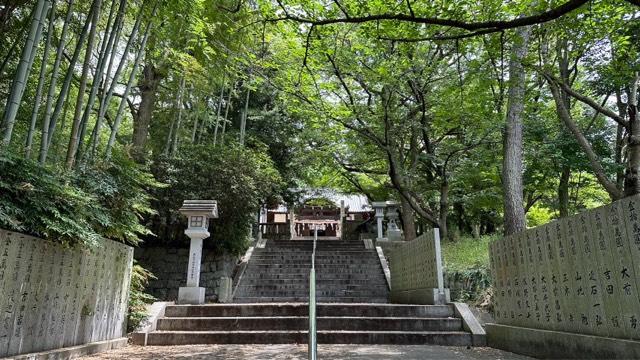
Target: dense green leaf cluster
[[240, 179], [138, 298], [77, 208]]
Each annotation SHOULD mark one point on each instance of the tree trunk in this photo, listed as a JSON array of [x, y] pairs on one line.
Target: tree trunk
[[16, 41], [622, 110], [218, 110], [632, 172], [105, 49], [226, 115], [563, 192], [167, 144], [196, 121], [106, 97], [514, 216], [132, 76], [22, 73], [243, 118], [206, 119], [62, 98], [594, 160], [43, 71], [176, 132], [148, 87], [444, 209], [408, 220], [44, 140], [75, 125]]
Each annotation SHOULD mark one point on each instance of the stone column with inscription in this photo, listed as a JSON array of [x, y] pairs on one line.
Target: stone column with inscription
[[198, 213]]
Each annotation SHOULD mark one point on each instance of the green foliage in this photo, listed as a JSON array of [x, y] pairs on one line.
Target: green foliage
[[74, 208], [539, 215], [467, 253], [121, 188], [138, 299], [240, 179], [466, 264]]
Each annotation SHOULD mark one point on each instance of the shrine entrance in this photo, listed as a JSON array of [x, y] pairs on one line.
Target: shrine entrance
[[336, 216], [324, 218]]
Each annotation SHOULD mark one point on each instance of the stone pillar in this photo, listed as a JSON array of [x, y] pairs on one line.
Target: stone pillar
[[393, 231], [193, 293], [379, 207], [198, 213], [292, 224], [443, 296], [342, 221]]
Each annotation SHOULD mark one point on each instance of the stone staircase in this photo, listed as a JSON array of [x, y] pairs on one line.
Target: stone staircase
[[346, 272], [285, 323], [271, 304]]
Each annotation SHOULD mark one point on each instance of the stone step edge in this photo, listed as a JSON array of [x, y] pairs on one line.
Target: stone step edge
[[302, 303], [395, 318], [345, 332]]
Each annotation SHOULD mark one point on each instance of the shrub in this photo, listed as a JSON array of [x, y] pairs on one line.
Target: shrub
[[74, 208], [240, 179], [138, 299]]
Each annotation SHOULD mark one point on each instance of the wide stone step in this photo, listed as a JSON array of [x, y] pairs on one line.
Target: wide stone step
[[449, 338], [343, 271], [304, 292], [323, 262], [346, 323], [304, 276], [335, 267], [302, 309], [289, 256], [319, 282], [286, 247], [319, 252], [324, 286], [332, 299]]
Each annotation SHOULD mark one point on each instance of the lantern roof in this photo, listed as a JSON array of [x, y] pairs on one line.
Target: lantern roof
[[207, 208]]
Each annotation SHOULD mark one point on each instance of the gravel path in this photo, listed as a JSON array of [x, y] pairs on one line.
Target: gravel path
[[290, 352]]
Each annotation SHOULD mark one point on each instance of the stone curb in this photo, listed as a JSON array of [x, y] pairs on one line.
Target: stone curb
[[385, 266], [155, 311], [549, 344], [74, 351], [470, 324]]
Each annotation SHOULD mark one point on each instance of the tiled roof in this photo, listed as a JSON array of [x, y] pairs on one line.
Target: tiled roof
[[354, 202]]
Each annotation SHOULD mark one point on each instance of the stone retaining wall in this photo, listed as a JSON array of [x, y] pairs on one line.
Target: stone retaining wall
[[53, 297], [579, 274], [169, 265], [414, 270]]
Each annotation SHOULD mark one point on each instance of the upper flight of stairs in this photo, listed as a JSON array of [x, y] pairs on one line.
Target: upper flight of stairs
[[338, 323], [346, 272]]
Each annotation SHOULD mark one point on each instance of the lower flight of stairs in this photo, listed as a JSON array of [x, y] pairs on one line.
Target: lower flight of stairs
[[345, 272], [287, 323]]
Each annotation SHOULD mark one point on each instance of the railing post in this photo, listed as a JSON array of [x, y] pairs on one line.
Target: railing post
[[313, 341], [436, 237]]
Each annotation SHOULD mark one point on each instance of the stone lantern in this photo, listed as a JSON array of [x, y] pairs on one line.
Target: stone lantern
[[379, 208], [393, 231], [198, 213]]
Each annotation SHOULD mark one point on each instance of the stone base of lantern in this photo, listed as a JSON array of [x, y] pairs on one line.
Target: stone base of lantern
[[192, 295], [394, 234]]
